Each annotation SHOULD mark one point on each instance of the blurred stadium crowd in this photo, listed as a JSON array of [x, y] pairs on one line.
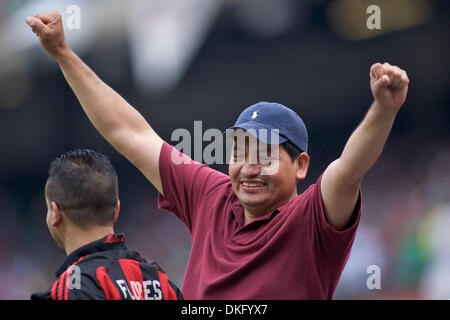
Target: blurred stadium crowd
[[176, 65]]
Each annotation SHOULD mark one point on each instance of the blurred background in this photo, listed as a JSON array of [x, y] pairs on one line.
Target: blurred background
[[184, 60]]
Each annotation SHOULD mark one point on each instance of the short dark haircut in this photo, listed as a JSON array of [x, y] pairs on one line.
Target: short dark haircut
[[291, 149], [84, 184]]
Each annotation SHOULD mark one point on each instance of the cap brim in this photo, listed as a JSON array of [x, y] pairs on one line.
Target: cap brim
[[263, 134]]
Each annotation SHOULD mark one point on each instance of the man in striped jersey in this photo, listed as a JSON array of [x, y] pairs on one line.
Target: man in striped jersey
[[82, 205]]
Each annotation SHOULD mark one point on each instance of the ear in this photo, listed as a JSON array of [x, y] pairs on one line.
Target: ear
[[56, 216], [302, 163], [116, 212]]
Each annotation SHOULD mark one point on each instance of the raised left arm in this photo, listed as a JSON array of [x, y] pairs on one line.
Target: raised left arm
[[341, 180]]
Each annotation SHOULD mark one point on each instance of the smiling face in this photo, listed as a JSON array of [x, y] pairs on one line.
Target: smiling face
[[264, 183]]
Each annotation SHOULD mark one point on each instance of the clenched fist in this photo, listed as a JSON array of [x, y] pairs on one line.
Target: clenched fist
[[49, 28], [389, 85]]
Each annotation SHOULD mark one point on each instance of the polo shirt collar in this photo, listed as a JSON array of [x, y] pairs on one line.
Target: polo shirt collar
[[238, 211], [114, 241]]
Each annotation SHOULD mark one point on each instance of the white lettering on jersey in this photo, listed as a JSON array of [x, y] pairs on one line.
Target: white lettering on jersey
[[150, 288], [124, 287]]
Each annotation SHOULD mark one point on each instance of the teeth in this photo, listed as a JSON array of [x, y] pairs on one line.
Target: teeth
[[252, 184]]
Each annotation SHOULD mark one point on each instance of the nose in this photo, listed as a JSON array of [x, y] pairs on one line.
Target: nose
[[250, 170]]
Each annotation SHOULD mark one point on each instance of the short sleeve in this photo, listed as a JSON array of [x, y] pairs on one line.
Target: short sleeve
[[332, 246], [322, 220], [185, 183]]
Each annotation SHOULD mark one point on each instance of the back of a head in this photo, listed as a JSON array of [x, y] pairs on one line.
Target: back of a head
[[84, 185]]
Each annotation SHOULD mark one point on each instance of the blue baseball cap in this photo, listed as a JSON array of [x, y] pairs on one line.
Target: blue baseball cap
[[276, 120]]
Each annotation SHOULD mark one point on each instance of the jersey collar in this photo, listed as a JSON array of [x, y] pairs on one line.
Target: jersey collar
[[114, 241]]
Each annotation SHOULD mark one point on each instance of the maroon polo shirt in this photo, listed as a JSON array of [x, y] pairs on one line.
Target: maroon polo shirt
[[290, 253]]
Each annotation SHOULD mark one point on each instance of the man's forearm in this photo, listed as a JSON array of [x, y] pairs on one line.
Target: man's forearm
[[105, 108], [366, 143], [342, 178], [124, 128]]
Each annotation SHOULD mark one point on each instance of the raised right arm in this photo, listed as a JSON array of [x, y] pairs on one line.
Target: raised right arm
[[118, 122]]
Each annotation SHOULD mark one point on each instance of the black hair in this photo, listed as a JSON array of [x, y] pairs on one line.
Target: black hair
[[291, 149], [84, 184]]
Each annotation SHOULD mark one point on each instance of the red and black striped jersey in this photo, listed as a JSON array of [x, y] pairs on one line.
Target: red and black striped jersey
[[107, 269]]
